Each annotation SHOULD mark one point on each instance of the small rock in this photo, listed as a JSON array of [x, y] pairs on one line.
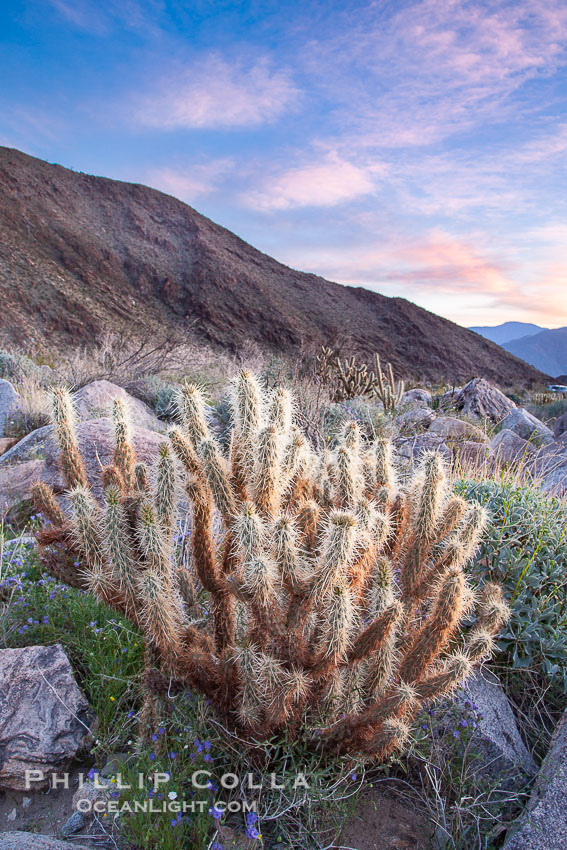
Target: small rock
[[74, 824], [43, 715], [481, 399], [415, 419], [522, 422], [13, 814], [412, 448], [543, 826], [116, 764], [451, 428], [508, 447], [26, 801], [8, 403], [33, 841], [422, 398], [93, 793]]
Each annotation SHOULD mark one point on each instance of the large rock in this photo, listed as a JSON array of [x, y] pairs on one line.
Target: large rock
[[479, 398], [528, 427], [472, 456], [96, 443], [20, 466], [417, 396], [508, 447], [412, 448], [498, 748], [543, 826], [43, 714], [33, 841], [451, 428], [95, 400], [549, 467], [416, 419], [8, 403], [450, 400], [560, 425], [30, 447], [16, 482]]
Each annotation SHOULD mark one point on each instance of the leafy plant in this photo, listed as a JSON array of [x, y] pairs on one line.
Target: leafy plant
[[525, 550], [335, 597]]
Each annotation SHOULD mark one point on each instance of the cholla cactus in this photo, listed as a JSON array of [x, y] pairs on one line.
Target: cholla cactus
[[337, 592], [385, 387], [351, 379]]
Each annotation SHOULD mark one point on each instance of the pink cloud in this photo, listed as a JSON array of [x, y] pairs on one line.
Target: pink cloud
[[213, 94], [321, 183], [193, 182], [450, 275]]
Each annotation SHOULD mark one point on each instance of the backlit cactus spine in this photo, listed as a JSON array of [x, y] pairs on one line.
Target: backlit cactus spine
[[337, 596]]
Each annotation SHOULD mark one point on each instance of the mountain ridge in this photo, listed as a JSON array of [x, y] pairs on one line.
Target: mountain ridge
[[507, 331], [546, 350], [80, 254]]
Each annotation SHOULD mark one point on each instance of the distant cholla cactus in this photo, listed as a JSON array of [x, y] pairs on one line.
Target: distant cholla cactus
[[336, 593], [351, 379], [385, 387]]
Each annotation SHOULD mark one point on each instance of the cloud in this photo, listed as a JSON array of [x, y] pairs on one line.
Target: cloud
[[101, 17], [437, 67], [192, 182], [213, 93], [321, 183]]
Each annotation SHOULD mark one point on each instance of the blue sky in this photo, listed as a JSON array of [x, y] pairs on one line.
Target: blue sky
[[415, 148]]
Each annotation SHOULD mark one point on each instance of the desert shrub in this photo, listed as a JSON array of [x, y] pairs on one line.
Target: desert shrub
[[548, 412], [525, 550], [15, 366], [368, 415], [32, 410], [323, 601]]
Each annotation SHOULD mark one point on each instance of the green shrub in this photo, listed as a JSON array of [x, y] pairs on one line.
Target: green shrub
[[17, 366], [525, 550]]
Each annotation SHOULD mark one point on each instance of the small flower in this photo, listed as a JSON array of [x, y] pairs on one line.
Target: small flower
[[172, 795], [111, 699]]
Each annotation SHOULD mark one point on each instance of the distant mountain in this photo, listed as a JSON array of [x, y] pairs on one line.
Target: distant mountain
[[83, 255], [508, 331], [546, 350]]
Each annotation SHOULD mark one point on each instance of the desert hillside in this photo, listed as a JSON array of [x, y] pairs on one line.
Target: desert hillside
[[79, 254]]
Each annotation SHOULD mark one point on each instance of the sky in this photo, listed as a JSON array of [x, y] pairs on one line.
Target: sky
[[415, 148]]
